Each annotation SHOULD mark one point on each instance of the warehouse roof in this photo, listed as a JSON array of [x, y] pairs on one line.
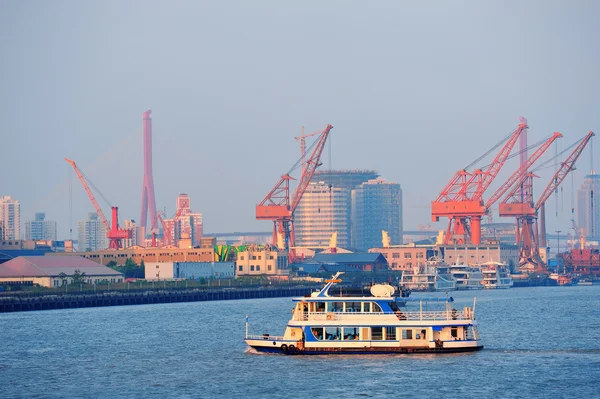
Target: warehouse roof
[[49, 266]]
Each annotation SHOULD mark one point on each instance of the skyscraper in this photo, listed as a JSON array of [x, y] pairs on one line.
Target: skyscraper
[[10, 218], [40, 229], [91, 234], [323, 210], [588, 206], [376, 206]]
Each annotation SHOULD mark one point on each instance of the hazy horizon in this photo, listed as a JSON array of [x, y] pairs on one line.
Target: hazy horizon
[[414, 90]]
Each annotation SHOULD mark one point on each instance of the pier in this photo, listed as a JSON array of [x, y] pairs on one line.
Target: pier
[[23, 303]]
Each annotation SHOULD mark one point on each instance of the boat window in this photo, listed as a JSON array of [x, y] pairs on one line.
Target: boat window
[[376, 333], [333, 333], [407, 334], [390, 333], [317, 332], [367, 307], [350, 333], [320, 307], [375, 308], [352, 306], [335, 306], [454, 332]]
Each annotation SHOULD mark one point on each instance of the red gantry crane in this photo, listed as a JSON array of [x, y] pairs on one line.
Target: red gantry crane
[[461, 201], [278, 207], [113, 232], [526, 211]]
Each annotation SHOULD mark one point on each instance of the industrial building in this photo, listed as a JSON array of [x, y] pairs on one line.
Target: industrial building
[[10, 218], [322, 211], [40, 228], [376, 206], [188, 270], [54, 271], [261, 261], [588, 207], [91, 234]]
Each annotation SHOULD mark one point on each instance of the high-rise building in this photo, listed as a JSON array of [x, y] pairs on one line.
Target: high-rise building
[[187, 222], [10, 218], [323, 210], [40, 228], [588, 206], [136, 233], [91, 234], [376, 206]]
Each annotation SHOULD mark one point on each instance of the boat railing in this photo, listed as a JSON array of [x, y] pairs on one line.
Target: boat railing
[[466, 314], [265, 336]]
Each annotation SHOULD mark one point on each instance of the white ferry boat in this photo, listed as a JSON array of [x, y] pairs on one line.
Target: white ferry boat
[[433, 276], [325, 324], [466, 277], [496, 275]]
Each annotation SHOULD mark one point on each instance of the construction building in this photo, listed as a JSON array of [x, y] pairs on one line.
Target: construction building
[[40, 229], [91, 234], [588, 207], [261, 261], [376, 206], [322, 211], [185, 221], [10, 218], [188, 270], [349, 179]]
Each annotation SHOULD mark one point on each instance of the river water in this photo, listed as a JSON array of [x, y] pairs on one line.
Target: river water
[[539, 342]]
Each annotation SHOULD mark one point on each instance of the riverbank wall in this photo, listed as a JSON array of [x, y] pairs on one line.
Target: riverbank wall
[[17, 303]]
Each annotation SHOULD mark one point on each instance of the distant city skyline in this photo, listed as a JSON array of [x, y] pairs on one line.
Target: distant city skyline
[[415, 91]]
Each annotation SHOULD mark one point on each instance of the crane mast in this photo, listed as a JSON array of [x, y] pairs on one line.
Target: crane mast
[[278, 206], [113, 233]]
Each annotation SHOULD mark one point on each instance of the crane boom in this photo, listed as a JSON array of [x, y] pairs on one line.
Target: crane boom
[[481, 179], [311, 166], [564, 169], [90, 194], [113, 233], [519, 173]]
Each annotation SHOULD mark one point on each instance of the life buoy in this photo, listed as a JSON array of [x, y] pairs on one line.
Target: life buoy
[[292, 348], [284, 348], [329, 317]]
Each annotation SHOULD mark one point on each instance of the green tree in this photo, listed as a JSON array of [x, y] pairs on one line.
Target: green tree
[[63, 277], [78, 277]]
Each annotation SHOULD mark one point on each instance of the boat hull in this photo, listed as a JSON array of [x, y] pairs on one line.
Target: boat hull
[[368, 351], [442, 347]]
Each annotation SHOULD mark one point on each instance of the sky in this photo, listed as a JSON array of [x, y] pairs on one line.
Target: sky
[[415, 90]]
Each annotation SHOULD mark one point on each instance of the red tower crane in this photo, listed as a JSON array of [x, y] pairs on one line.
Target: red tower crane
[[519, 203], [461, 200], [279, 207], [113, 233]]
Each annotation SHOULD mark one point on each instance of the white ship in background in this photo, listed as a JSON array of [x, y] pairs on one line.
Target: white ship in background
[[496, 275], [432, 276]]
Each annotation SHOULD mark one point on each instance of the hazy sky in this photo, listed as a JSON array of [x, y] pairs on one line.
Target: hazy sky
[[414, 89]]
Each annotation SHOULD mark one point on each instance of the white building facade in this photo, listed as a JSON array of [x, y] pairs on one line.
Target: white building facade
[[10, 218], [40, 229], [323, 210], [91, 234]]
